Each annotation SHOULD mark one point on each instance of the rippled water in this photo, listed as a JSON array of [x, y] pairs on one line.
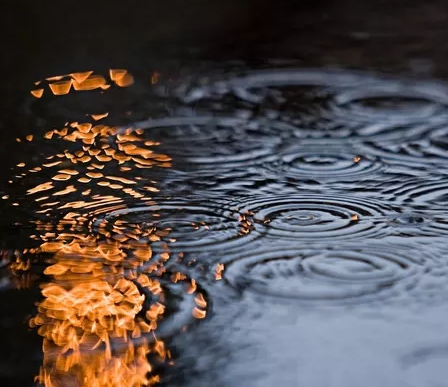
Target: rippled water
[[251, 227]]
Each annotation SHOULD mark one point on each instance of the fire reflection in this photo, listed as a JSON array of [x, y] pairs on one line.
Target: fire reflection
[[105, 297], [85, 81], [102, 303]]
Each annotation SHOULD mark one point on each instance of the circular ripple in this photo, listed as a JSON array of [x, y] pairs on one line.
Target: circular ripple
[[422, 193], [325, 164], [428, 144], [251, 87], [212, 143], [336, 104], [178, 300], [188, 225], [391, 101], [420, 223], [317, 217], [341, 274]]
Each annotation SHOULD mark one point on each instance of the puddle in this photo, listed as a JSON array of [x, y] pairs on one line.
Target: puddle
[[230, 229]]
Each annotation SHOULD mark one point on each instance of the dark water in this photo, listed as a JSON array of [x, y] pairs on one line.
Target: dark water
[[181, 221]]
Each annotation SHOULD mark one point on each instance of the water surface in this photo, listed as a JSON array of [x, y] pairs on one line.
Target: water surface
[[242, 226]]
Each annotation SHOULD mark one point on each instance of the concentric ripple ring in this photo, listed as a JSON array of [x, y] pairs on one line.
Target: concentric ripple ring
[[343, 274], [235, 143], [317, 217], [187, 225], [319, 163]]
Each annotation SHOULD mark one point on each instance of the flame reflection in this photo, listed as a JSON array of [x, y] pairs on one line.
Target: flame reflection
[[86, 81], [105, 297]]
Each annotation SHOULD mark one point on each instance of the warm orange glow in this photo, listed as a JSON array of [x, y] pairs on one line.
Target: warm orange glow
[[218, 271], [90, 313], [106, 291], [37, 93], [61, 177], [98, 117], [155, 77], [41, 187], [200, 301], [55, 78], [116, 73], [91, 83], [67, 190], [125, 81], [127, 367], [199, 314], [89, 305], [60, 88], [121, 77], [81, 77], [71, 172]]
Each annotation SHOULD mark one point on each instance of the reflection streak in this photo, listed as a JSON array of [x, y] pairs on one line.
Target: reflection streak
[[104, 299]]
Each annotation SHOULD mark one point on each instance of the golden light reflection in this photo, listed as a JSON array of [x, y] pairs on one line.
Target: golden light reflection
[[219, 271], [61, 87], [81, 77], [105, 297], [85, 81], [91, 83], [98, 117], [37, 93], [124, 81], [155, 77]]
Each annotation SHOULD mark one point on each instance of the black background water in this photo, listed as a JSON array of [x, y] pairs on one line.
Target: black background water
[[342, 279]]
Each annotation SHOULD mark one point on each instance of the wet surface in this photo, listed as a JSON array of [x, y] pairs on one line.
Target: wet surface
[[177, 221]]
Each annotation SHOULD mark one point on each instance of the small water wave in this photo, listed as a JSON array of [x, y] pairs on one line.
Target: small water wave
[[317, 217], [420, 223], [401, 121], [325, 163], [210, 143], [188, 224], [359, 96], [310, 186], [394, 101], [426, 146], [346, 273], [422, 193]]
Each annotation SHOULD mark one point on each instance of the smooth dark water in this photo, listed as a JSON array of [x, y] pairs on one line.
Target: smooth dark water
[[185, 210]]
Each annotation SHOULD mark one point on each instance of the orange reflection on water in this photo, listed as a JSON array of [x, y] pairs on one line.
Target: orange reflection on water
[[127, 367], [37, 93], [125, 81], [91, 83], [83, 81], [61, 87], [98, 117], [104, 299], [102, 305], [89, 317], [81, 77], [155, 77], [218, 271]]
